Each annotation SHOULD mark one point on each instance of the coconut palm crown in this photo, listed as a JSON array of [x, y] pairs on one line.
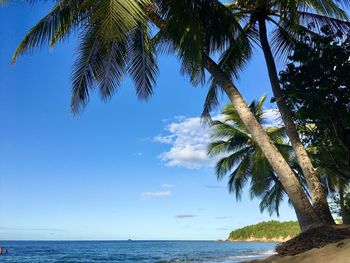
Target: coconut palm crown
[[243, 160], [114, 40], [288, 22]]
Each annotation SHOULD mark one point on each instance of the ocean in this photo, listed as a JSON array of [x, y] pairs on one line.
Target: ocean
[[132, 251]]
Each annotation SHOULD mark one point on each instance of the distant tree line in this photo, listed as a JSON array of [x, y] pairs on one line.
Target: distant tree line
[[268, 230]]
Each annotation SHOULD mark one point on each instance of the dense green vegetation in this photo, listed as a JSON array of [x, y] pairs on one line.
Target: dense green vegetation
[[268, 230], [319, 68]]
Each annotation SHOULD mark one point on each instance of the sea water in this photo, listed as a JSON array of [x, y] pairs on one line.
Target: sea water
[[132, 251]]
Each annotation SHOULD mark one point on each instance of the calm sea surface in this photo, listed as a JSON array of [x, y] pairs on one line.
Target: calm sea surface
[[132, 251]]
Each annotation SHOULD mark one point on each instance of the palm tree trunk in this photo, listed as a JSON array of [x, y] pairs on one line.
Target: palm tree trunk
[[344, 214], [317, 192], [306, 215]]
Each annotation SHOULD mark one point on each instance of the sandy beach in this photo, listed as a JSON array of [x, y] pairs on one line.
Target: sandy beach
[[333, 253]]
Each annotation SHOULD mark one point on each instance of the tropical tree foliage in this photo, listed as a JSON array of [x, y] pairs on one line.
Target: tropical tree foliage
[[340, 204], [316, 84], [319, 68], [289, 20], [244, 162], [267, 230]]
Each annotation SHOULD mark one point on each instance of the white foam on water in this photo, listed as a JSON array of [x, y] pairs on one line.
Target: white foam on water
[[253, 255]]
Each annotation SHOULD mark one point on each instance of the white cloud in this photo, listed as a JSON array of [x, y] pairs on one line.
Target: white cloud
[[273, 117], [148, 195], [182, 216], [189, 139], [164, 139], [168, 186]]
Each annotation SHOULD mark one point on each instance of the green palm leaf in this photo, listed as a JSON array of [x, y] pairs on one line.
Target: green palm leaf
[[142, 63], [243, 160], [224, 165], [85, 68], [62, 19], [239, 177]]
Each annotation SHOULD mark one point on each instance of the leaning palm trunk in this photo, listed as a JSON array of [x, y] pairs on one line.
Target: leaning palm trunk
[[317, 192], [305, 213]]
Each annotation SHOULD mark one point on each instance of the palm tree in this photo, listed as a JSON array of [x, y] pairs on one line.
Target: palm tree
[[332, 165], [114, 40], [108, 51], [290, 18], [243, 159], [185, 25]]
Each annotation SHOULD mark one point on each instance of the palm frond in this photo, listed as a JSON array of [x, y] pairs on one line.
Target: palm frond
[[198, 29], [227, 163], [239, 177], [211, 101], [163, 44], [318, 21], [62, 19], [272, 199], [328, 8], [283, 39], [236, 56], [278, 134], [85, 68], [261, 174], [142, 61], [112, 67], [233, 144], [257, 108], [226, 130]]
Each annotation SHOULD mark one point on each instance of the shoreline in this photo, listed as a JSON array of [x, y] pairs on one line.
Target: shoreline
[[262, 240], [338, 252]]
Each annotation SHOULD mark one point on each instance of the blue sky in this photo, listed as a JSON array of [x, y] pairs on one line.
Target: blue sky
[[120, 169]]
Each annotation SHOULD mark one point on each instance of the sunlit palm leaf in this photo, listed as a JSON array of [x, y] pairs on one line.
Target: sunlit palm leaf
[[272, 199], [226, 164], [64, 17], [142, 61], [239, 177], [85, 68], [243, 160]]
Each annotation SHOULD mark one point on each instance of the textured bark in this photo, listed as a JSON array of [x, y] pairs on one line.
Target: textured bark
[[317, 192], [306, 215]]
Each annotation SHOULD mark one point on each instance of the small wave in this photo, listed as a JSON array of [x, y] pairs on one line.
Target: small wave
[[175, 260], [268, 252], [220, 259], [257, 254]]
